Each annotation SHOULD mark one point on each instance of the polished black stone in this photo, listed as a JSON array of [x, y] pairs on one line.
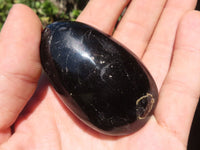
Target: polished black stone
[[98, 79]]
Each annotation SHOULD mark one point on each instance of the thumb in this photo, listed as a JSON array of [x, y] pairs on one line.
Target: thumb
[[19, 62]]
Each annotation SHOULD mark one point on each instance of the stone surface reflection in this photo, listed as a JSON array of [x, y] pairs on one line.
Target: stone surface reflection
[[99, 80]]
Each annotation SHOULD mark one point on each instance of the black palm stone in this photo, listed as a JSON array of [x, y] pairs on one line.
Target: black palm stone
[[98, 79]]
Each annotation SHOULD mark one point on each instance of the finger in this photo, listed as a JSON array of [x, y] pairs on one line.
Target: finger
[[181, 90], [158, 54], [103, 14], [19, 62], [138, 23]]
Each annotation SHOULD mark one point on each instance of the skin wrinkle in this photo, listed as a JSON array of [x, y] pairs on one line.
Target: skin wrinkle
[[13, 80], [179, 88], [165, 126], [56, 123], [25, 81], [29, 79]]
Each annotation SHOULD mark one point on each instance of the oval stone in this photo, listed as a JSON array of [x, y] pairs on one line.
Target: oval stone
[[99, 80]]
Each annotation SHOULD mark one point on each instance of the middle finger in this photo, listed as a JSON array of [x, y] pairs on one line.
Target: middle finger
[[138, 23]]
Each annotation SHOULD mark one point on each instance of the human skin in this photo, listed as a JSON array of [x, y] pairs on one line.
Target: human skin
[[165, 35]]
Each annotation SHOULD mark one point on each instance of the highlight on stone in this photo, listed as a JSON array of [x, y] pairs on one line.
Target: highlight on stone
[[98, 79]]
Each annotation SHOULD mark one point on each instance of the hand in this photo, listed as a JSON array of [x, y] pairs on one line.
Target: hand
[[164, 34]]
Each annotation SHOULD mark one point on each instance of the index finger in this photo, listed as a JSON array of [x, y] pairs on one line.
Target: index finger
[[19, 62]]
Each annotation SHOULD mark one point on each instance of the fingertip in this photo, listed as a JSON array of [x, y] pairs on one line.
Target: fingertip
[[20, 37], [18, 13], [103, 14]]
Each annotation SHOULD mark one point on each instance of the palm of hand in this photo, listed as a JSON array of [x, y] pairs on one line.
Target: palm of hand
[[45, 123]]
